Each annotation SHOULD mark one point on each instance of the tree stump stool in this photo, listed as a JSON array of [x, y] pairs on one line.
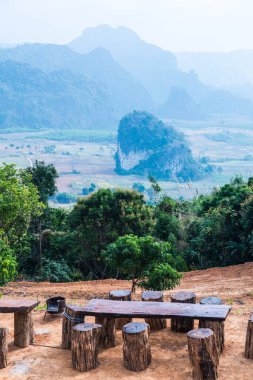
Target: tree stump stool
[[154, 323], [204, 356], [249, 339], [107, 337], [3, 347], [23, 329], [72, 316], [216, 326], [84, 346], [180, 324], [121, 295], [136, 348], [211, 301]]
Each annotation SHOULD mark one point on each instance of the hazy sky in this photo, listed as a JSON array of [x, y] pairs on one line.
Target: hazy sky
[[177, 25]]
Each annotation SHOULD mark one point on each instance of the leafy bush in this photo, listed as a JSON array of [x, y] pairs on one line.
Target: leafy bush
[[8, 263], [54, 271]]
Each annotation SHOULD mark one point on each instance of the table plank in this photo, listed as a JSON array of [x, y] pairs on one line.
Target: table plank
[[15, 305], [140, 309]]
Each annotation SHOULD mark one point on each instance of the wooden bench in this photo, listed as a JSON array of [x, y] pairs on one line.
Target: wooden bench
[[109, 310], [23, 324]]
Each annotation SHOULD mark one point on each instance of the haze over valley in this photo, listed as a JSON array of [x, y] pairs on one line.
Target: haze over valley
[[64, 103]]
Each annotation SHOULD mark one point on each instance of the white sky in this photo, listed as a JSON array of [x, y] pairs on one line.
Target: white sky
[[177, 25]]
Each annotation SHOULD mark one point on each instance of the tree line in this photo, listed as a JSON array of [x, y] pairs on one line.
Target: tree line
[[117, 233]]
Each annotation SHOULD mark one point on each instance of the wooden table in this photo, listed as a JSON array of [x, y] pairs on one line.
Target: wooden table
[[108, 310], [23, 324], [138, 309]]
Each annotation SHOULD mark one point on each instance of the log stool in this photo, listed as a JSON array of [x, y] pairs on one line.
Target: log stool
[[211, 301], [180, 324], [71, 317], [84, 346], [249, 339], [204, 356], [154, 323], [136, 348], [216, 326], [121, 295], [3, 348]]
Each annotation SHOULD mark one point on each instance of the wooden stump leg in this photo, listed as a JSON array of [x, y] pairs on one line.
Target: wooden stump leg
[[136, 348], [22, 329], [180, 324], [204, 356], [84, 347], [71, 317], [3, 347], [249, 339], [107, 337], [218, 329], [155, 324], [121, 295]]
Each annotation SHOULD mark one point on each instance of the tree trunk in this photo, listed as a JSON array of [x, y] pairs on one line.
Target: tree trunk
[[154, 323], [204, 356], [180, 324], [121, 295], [249, 339], [3, 347], [218, 329], [107, 337], [136, 348], [23, 329], [84, 348], [71, 317]]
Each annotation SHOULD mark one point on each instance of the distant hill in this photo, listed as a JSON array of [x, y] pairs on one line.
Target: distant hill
[[146, 146], [224, 103], [154, 67], [180, 105], [219, 69], [31, 98], [125, 92]]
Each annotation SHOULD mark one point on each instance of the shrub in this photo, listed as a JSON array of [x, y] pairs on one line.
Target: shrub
[[8, 263], [54, 271]]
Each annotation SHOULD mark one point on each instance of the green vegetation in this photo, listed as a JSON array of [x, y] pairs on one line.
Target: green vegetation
[[146, 261], [117, 233]]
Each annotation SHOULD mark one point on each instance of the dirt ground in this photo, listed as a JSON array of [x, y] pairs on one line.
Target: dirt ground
[[46, 360]]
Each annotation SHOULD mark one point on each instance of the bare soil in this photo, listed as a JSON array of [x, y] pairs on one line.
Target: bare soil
[[46, 360]]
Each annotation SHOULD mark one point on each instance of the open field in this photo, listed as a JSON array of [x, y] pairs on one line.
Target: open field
[[170, 355], [84, 157]]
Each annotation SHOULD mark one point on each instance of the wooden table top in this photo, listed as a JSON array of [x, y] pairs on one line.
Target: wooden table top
[[139, 309], [14, 305]]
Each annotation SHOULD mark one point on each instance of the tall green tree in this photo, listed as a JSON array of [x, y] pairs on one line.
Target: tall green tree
[[149, 263], [44, 178], [101, 218], [19, 203]]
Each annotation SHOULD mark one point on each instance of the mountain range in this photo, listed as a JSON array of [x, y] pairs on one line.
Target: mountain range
[[94, 80]]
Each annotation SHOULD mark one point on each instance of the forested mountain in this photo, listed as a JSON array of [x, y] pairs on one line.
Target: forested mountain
[[146, 146], [103, 75], [154, 67], [31, 98], [123, 90]]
